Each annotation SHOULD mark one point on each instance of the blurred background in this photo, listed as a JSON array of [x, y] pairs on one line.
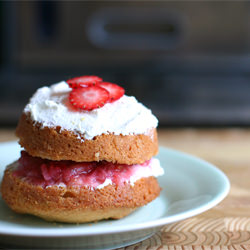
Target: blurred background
[[188, 61]]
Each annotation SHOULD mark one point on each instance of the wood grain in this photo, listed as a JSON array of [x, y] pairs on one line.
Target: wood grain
[[7, 135], [224, 227]]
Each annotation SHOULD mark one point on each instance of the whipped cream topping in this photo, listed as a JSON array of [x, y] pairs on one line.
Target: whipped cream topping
[[50, 107]]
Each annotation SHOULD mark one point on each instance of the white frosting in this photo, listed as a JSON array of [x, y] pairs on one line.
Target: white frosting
[[105, 183], [154, 169], [50, 107]]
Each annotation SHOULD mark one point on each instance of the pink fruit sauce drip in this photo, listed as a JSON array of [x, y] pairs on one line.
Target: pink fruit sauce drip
[[46, 173]]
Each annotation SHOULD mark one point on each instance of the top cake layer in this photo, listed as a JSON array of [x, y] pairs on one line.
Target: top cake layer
[[50, 108], [123, 131]]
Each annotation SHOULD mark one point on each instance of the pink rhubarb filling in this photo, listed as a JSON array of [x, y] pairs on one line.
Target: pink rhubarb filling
[[92, 174]]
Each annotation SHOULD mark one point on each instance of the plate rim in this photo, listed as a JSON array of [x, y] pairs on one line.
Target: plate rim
[[156, 223]]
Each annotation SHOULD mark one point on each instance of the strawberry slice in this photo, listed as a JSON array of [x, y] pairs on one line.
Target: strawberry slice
[[115, 91], [88, 98], [83, 81]]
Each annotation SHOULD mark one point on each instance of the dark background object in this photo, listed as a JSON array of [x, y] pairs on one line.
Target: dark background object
[[188, 61]]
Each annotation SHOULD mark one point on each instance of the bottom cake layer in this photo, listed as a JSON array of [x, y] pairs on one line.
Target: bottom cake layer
[[74, 202]]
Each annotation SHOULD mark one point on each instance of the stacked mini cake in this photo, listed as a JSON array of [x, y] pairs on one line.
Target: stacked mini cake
[[87, 154]]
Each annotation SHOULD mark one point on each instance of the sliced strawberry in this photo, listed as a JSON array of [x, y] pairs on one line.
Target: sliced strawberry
[[83, 81], [115, 91], [89, 98]]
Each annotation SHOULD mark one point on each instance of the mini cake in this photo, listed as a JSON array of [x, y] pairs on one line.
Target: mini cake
[[88, 154]]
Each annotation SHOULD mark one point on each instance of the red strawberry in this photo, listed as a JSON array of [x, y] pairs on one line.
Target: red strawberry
[[115, 91], [89, 98], [83, 81]]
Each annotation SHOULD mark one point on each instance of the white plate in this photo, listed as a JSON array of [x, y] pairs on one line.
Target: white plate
[[190, 186]]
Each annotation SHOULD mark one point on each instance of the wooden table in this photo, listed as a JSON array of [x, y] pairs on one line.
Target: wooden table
[[226, 226]]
